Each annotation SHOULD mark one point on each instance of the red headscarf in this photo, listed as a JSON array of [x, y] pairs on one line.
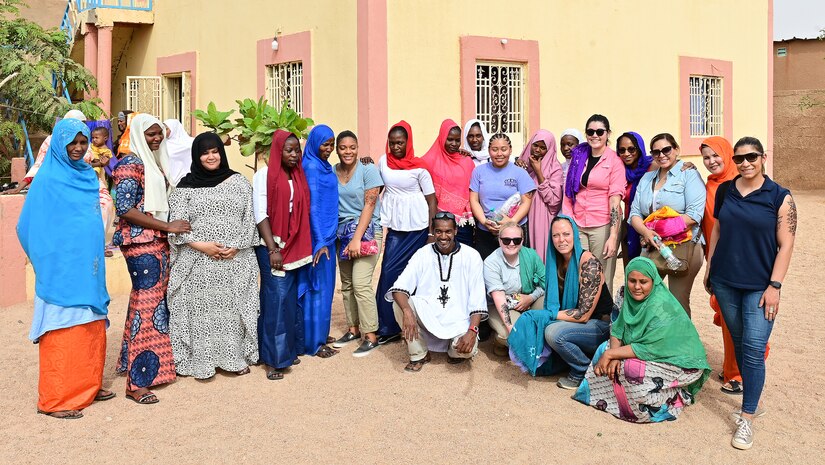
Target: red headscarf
[[409, 161], [722, 147], [291, 228], [451, 175]]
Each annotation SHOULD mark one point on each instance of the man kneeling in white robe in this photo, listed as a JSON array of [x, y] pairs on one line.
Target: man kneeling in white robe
[[439, 297]]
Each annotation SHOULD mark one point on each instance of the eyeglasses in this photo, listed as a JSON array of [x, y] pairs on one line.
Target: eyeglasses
[[663, 151], [508, 240], [444, 216], [599, 132], [631, 150], [751, 157]]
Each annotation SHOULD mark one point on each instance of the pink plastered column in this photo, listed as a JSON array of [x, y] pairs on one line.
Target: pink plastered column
[[90, 54], [104, 67], [372, 77], [12, 257]]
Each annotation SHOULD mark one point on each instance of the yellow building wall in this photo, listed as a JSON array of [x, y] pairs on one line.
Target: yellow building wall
[[620, 59], [224, 35]]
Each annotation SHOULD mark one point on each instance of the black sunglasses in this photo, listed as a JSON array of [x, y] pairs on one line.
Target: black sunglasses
[[751, 157], [631, 150], [444, 216], [508, 240], [599, 132], [663, 151]]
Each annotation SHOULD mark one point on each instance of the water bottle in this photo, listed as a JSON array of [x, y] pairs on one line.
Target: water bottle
[[672, 262]]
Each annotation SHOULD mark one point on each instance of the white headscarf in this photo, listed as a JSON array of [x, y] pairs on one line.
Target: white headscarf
[[573, 132], [480, 156], [179, 148], [75, 114], [155, 164]]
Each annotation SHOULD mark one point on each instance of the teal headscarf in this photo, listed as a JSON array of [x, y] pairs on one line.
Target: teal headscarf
[[60, 227], [570, 296], [657, 328]]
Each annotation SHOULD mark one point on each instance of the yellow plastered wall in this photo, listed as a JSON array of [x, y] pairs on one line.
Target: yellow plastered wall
[[617, 58], [224, 35]]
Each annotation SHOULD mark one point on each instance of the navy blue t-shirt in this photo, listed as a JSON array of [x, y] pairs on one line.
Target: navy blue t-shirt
[[747, 245]]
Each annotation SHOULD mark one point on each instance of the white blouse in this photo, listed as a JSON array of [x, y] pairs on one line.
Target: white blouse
[[259, 194], [403, 206]]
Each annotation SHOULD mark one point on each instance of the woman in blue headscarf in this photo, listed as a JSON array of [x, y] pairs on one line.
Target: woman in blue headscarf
[[576, 315], [631, 149], [317, 284], [71, 301]]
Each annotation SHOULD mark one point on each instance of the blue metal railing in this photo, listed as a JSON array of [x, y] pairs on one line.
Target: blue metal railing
[[138, 5]]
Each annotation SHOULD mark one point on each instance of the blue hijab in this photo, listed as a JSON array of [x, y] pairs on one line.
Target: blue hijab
[[60, 227], [633, 176], [323, 190], [527, 345], [570, 295]]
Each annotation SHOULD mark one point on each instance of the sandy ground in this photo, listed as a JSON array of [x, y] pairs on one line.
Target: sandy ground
[[368, 410]]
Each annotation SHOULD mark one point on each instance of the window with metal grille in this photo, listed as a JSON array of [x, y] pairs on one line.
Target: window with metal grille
[[500, 99], [143, 94], [285, 83], [706, 105]]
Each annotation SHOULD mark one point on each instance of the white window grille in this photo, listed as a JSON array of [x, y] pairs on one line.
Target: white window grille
[[500, 98], [706, 104], [144, 94], [285, 83]]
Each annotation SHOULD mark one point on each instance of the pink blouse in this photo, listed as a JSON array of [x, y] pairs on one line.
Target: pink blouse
[[592, 208]]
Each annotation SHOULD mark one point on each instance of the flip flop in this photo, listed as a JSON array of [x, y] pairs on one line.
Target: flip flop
[[101, 397], [147, 398], [416, 366], [732, 387], [326, 352], [63, 414], [275, 375]]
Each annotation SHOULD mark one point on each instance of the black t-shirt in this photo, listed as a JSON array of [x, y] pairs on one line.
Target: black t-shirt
[[604, 306], [591, 162]]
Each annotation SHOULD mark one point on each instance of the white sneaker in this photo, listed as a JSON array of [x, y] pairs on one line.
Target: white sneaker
[[743, 437], [760, 412]]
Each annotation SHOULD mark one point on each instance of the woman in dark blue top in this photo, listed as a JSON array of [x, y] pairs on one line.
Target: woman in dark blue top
[[749, 253]]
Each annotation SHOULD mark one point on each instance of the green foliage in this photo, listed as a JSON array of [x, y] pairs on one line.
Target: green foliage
[[34, 59], [217, 121], [257, 122]]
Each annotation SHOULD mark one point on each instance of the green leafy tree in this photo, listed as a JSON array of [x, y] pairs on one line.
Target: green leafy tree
[[34, 68]]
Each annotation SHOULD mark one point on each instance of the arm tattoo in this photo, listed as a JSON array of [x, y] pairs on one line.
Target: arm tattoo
[[791, 216], [506, 312], [371, 196], [614, 216], [589, 282]]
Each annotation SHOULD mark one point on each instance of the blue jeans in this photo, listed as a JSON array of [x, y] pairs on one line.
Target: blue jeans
[[750, 331], [575, 343]]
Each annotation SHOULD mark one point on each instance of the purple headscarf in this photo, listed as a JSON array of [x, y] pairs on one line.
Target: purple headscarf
[[633, 176], [578, 162]]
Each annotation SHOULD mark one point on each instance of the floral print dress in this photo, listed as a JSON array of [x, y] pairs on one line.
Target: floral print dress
[[146, 350]]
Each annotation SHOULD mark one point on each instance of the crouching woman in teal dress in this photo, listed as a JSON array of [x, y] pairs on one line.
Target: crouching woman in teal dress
[[654, 363]]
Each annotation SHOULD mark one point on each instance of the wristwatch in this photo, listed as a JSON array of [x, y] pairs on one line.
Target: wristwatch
[[776, 284], [473, 329]]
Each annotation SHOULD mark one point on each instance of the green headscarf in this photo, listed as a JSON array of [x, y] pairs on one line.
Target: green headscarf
[[531, 270], [657, 328]]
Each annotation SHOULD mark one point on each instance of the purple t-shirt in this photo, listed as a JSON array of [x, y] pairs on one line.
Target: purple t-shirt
[[495, 185]]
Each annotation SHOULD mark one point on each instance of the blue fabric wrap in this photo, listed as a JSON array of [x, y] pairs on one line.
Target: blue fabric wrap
[[633, 176], [527, 343], [570, 296], [323, 222], [64, 199]]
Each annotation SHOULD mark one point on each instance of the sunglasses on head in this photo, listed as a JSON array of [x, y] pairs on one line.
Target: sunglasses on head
[[599, 132], [508, 240], [663, 151], [751, 157], [444, 216], [631, 150]]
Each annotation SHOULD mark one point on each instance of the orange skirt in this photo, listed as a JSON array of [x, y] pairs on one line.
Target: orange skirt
[[71, 366]]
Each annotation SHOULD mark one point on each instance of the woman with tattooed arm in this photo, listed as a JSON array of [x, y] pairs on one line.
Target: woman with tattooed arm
[[748, 256]]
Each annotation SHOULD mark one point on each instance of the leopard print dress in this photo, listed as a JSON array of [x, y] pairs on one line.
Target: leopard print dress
[[214, 304]]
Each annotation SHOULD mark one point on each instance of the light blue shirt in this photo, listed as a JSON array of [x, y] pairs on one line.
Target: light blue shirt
[[684, 191], [50, 317]]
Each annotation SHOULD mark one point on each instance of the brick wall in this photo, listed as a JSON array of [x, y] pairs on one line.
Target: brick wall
[[799, 138]]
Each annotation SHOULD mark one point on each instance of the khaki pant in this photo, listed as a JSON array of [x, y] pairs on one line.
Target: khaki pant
[[498, 325], [356, 289], [680, 286], [594, 239], [418, 348]]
